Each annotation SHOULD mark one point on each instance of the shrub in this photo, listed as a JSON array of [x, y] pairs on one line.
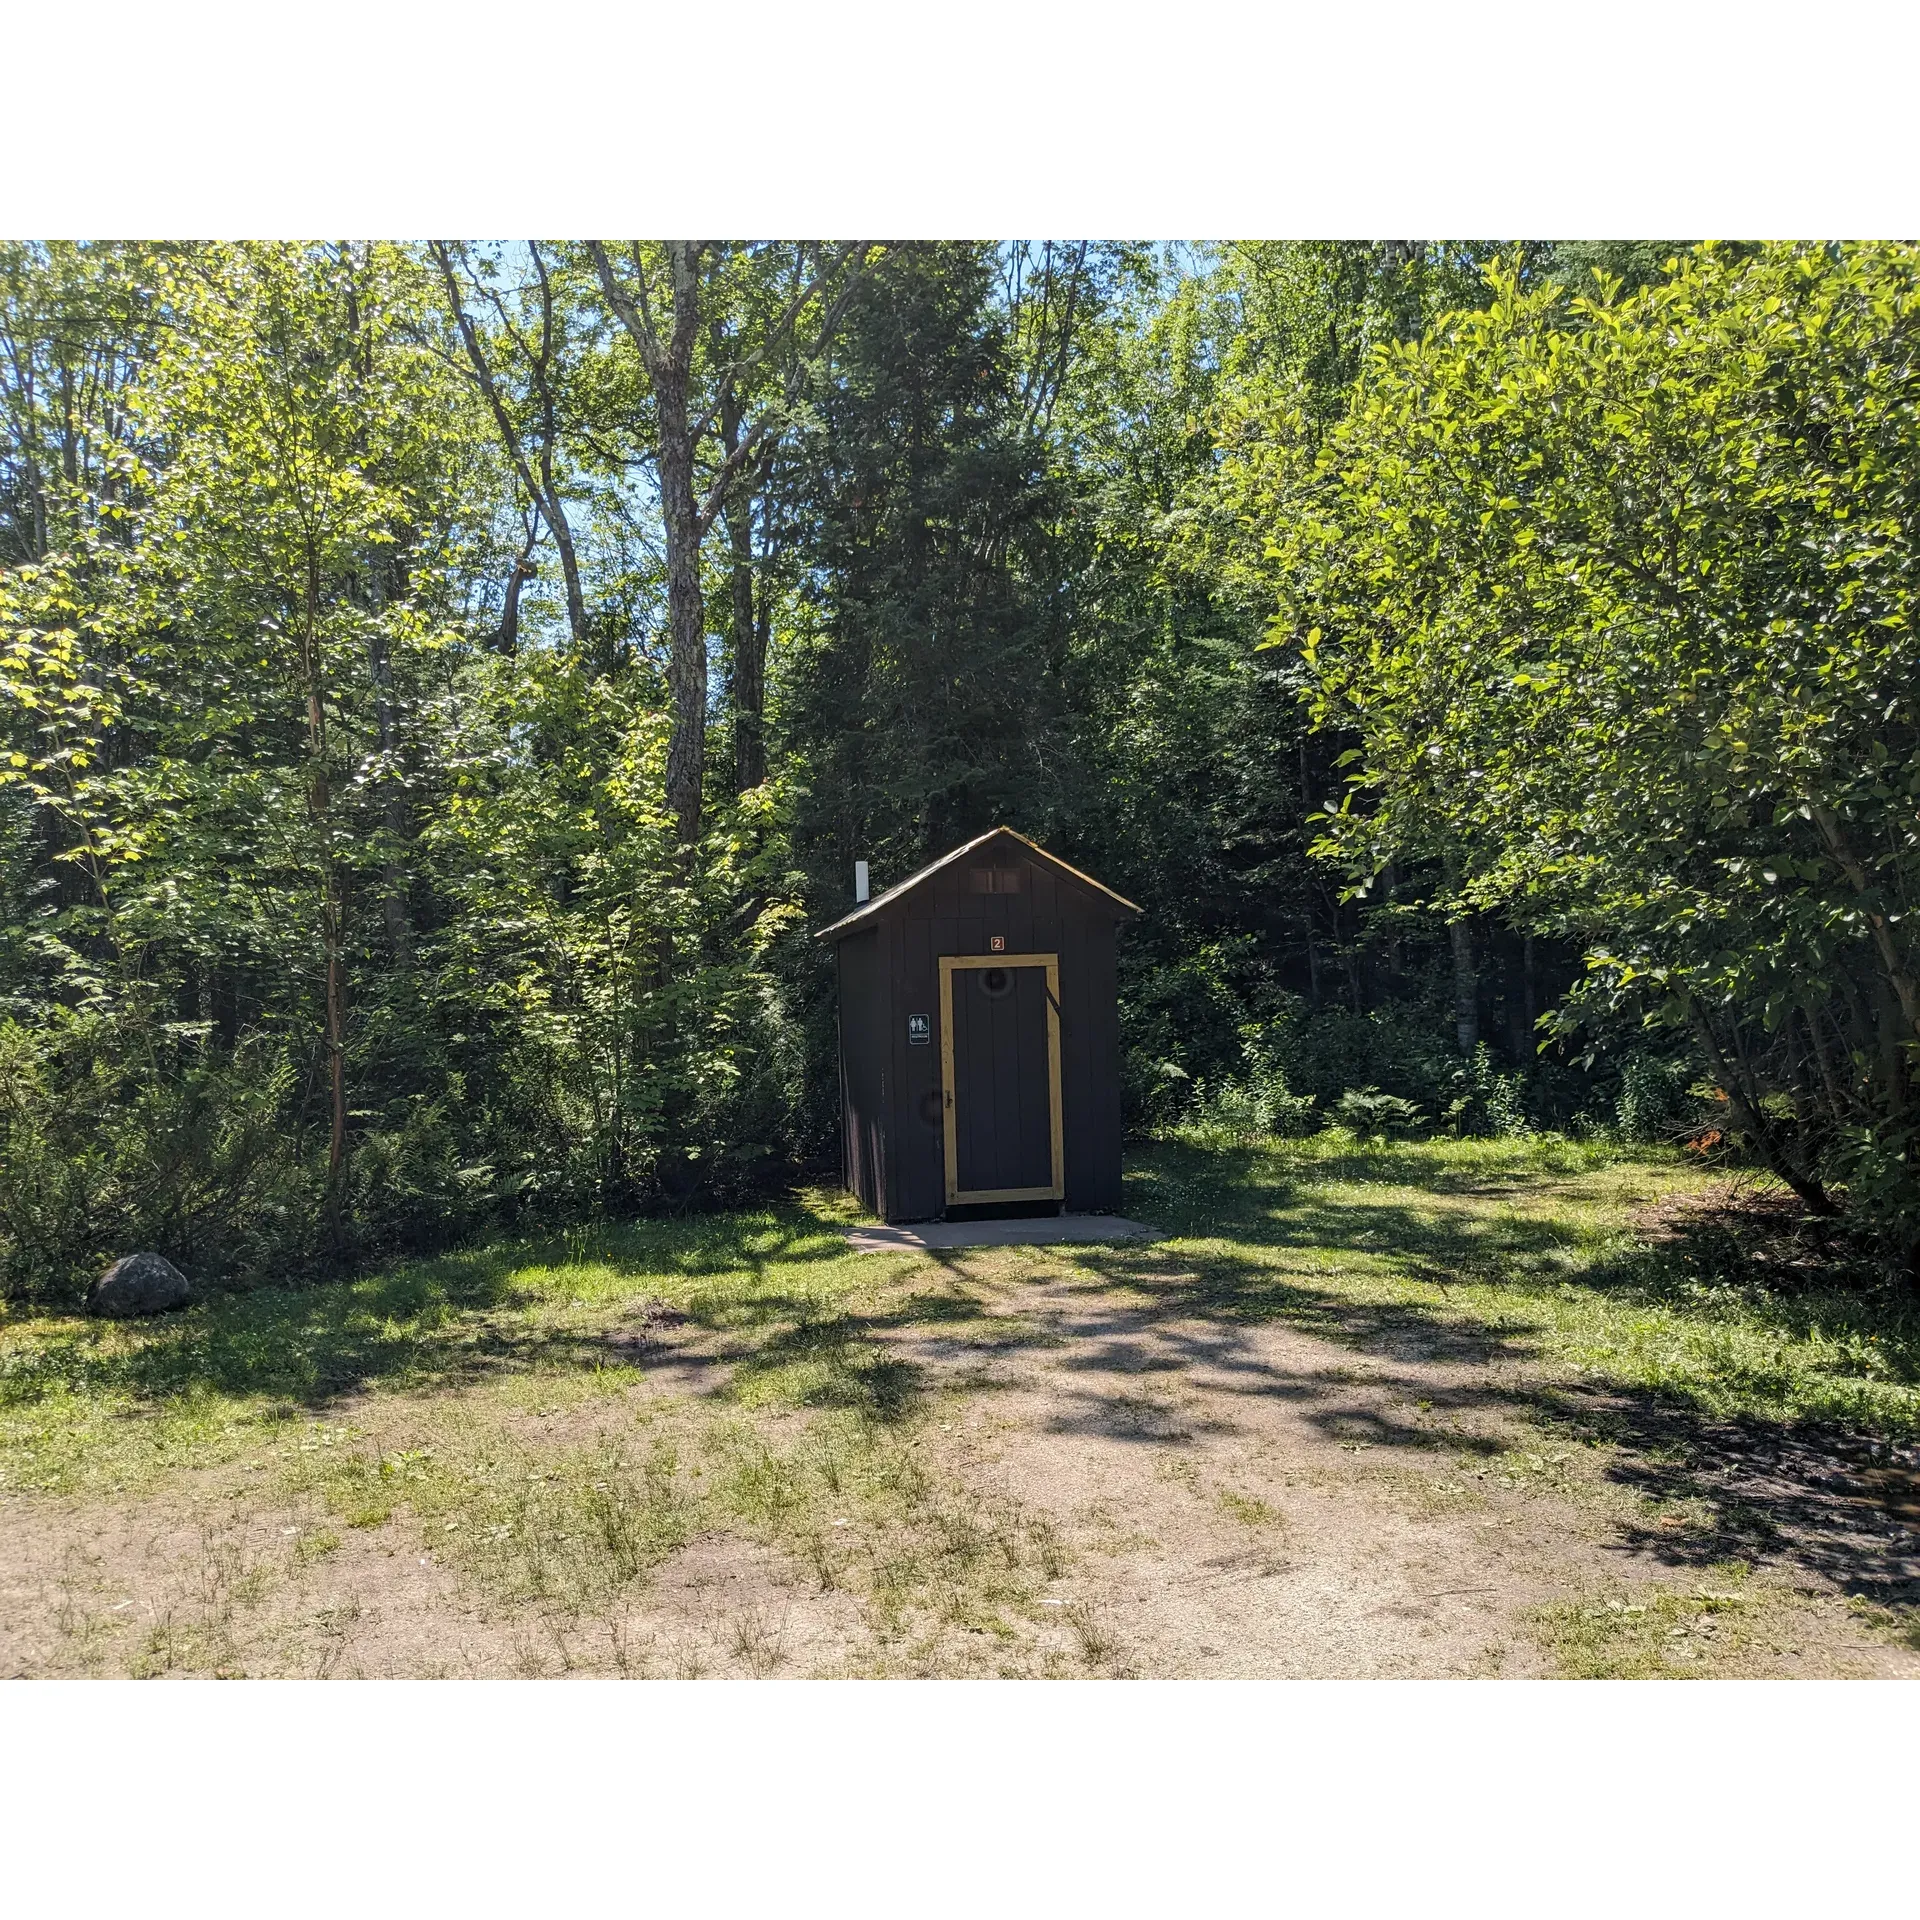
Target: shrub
[[1656, 1101], [116, 1135], [1485, 1100], [1257, 1105], [1374, 1115]]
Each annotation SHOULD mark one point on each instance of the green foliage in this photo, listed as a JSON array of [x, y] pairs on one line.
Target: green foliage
[[343, 905], [1374, 1115], [115, 1138], [918, 701], [1657, 1099], [1333, 1050], [329, 930], [1257, 1105], [632, 1056], [1613, 590]]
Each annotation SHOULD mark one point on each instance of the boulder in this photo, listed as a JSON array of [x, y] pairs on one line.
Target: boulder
[[141, 1283]]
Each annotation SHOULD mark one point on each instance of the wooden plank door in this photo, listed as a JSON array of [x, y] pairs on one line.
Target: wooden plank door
[[1000, 1071]]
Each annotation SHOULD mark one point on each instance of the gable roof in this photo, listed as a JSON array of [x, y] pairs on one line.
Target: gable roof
[[867, 909]]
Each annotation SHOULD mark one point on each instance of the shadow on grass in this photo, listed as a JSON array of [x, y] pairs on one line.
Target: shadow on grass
[[1725, 1253], [1763, 1258], [1716, 1489], [440, 1321], [1754, 1489], [831, 1364], [1822, 1499], [1255, 1200]]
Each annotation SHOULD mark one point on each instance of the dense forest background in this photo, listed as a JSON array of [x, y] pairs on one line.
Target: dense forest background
[[442, 688]]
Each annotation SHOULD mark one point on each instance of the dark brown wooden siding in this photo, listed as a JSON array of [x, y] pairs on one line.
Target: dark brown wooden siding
[[863, 1059], [1049, 914]]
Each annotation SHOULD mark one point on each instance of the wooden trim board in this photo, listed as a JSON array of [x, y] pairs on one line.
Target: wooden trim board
[[950, 963]]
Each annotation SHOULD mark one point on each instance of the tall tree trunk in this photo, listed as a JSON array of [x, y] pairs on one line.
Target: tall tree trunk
[[507, 640], [1466, 985], [555, 515], [749, 653], [746, 689], [393, 803], [1466, 975], [762, 639], [69, 432], [669, 363], [319, 811], [671, 371], [37, 491]]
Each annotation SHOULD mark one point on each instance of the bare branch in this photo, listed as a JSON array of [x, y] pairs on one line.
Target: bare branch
[[730, 379], [483, 373], [717, 491], [636, 318], [542, 490]]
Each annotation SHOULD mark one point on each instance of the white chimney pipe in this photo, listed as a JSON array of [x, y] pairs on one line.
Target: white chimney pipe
[[861, 888]]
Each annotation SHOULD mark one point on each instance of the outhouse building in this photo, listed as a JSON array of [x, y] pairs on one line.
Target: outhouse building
[[980, 1037]]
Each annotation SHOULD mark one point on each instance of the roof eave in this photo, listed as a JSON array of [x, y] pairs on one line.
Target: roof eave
[[868, 908]]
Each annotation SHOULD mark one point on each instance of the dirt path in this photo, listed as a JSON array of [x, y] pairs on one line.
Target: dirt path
[[1168, 1492], [1252, 1501]]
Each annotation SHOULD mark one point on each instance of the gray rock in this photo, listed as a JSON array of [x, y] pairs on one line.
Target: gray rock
[[141, 1283]]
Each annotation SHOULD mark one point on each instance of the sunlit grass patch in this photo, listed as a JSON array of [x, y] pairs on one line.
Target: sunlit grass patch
[[1899, 1624], [1530, 1243], [856, 1507], [95, 1404], [1649, 1633], [1247, 1509], [561, 1528]]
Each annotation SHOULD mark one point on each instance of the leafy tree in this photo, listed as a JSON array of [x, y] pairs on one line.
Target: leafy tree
[[210, 692], [1614, 590], [920, 696], [76, 322], [665, 295], [439, 685], [305, 439]]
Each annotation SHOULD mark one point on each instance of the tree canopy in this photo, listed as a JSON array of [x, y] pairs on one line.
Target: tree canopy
[[1615, 591], [440, 685]]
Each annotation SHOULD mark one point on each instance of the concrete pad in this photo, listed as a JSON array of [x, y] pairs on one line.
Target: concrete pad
[[932, 1235]]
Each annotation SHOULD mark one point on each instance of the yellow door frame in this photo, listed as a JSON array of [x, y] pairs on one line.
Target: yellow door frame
[[950, 964]]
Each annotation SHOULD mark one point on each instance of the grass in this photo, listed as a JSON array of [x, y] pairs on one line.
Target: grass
[[91, 1405], [502, 1405], [1531, 1248], [1653, 1633]]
